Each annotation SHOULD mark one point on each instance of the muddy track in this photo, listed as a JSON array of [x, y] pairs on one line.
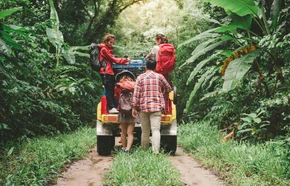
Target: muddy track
[[89, 171]]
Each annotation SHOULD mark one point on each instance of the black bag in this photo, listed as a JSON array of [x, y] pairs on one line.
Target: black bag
[[94, 57], [125, 107]]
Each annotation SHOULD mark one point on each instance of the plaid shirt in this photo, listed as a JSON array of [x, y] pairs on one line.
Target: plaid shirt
[[148, 93]]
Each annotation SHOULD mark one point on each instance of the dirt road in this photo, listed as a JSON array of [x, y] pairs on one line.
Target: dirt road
[[88, 172]]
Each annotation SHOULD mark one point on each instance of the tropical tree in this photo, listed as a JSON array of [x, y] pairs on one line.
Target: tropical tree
[[241, 42], [43, 88], [245, 53]]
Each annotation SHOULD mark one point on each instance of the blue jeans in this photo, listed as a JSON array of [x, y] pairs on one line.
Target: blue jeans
[[109, 83]]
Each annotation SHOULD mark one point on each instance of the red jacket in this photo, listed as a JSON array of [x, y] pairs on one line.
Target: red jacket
[[107, 54]]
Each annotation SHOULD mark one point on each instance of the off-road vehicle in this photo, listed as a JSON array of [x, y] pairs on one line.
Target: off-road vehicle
[[108, 126]]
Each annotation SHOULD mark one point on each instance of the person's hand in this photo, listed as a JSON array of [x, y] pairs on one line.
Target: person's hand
[[134, 113], [128, 59]]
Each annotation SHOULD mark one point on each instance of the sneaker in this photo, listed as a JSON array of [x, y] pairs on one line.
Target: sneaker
[[126, 151], [113, 110]]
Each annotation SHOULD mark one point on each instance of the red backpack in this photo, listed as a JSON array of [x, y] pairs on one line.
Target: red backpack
[[166, 58], [125, 99]]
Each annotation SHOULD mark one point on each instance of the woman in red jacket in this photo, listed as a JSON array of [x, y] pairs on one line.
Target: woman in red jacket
[[107, 73]]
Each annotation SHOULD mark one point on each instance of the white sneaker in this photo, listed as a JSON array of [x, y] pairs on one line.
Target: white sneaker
[[113, 110]]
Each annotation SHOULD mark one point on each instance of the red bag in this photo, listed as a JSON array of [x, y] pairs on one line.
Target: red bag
[[166, 58]]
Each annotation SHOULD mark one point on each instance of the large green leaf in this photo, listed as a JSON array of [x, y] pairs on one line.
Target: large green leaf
[[202, 46], [53, 16], [200, 66], [15, 29], [54, 34], [237, 69], [275, 10], [241, 23], [240, 7], [4, 48], [200, 81], [10, 41], [55, 37], [203, 35], [8, 12], [246, 21], [70, 57], [202, 49]]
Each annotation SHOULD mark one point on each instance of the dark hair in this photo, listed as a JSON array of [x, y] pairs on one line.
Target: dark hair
[[150, 64], [161, 37], [108, 37]]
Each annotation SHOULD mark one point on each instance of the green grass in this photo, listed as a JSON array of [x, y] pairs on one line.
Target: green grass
[[39, 161], [141, 168], [238, 163]]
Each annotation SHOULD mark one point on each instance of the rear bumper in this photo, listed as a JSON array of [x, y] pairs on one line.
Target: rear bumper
[[108, 129], [107, 124]]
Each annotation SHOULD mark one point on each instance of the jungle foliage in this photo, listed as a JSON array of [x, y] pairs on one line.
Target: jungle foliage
[[47, 85], [239, 70], [235, 162], [39, 161], [232, 61], [232, 69]]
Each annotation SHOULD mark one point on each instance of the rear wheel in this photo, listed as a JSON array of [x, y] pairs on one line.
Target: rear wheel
[[169, 144], [105, 145], [137, 135]]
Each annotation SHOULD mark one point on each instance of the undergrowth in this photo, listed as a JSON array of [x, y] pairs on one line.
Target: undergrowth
[[238, 163], [39, 161]]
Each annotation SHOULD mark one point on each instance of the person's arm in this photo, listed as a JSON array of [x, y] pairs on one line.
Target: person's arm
[[149, 55], [134, 112], [154, 52], [136, 96], [105, 53]]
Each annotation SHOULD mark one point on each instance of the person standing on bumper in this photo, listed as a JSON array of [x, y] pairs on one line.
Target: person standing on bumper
[[148, 98], [107, 73]]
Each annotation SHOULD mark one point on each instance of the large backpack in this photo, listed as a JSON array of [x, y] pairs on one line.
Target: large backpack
[[94, 57], [125, 99], [166, 58]]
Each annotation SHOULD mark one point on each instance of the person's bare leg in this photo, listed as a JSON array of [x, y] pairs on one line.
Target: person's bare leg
[[130, 132], [124, 134]]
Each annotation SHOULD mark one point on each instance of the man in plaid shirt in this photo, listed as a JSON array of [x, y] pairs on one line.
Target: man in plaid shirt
[[150, 90]]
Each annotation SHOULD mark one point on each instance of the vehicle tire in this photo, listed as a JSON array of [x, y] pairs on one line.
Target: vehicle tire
[[169, 144], [105, 145], [113, 142], [137, 135]]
